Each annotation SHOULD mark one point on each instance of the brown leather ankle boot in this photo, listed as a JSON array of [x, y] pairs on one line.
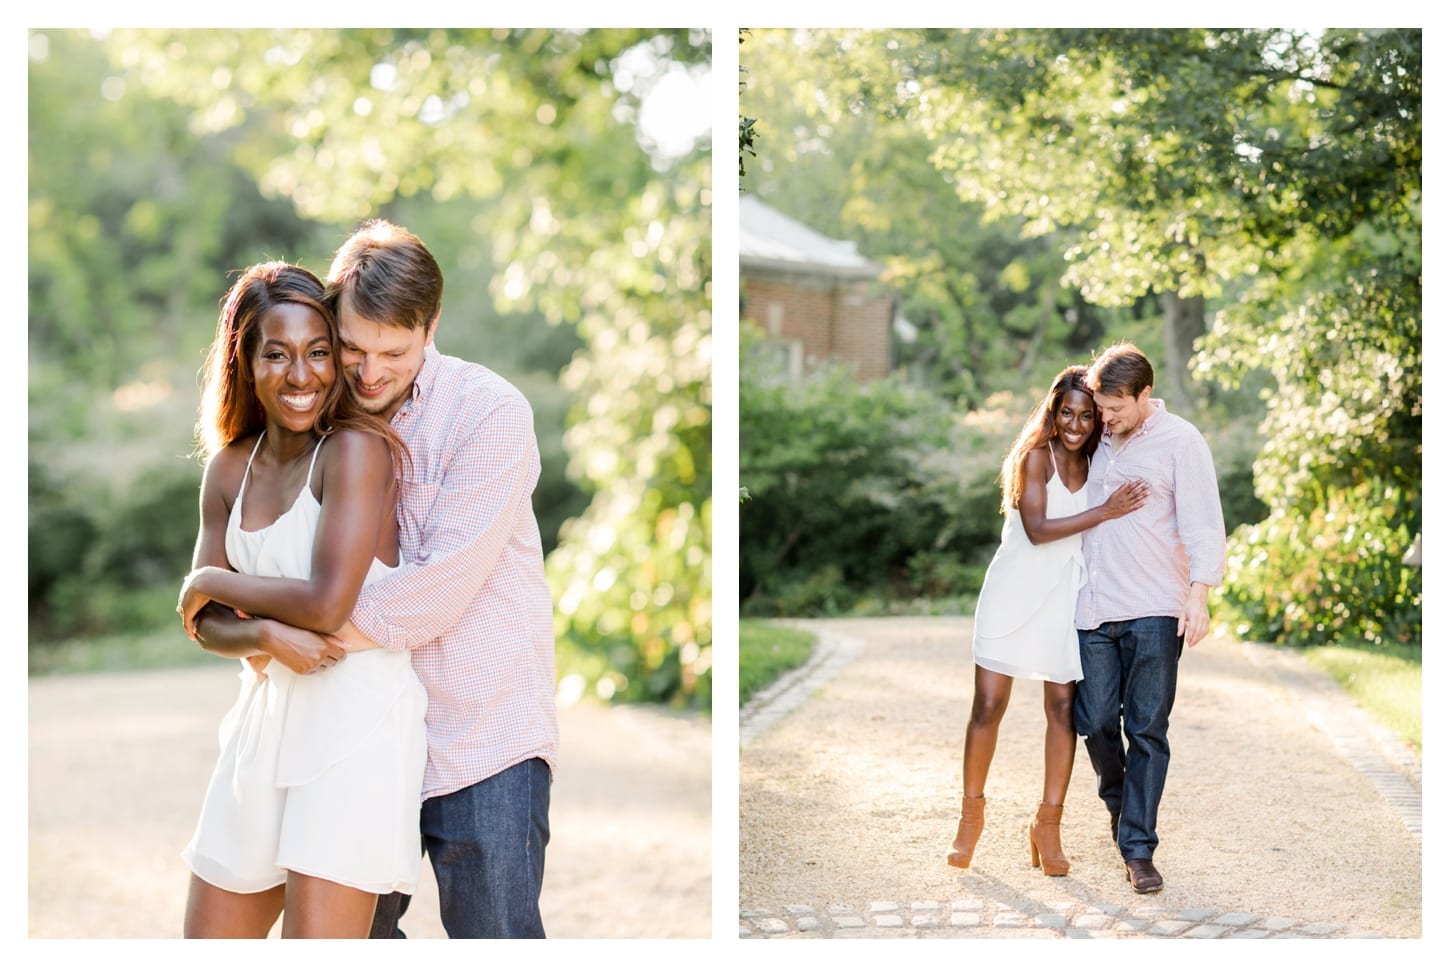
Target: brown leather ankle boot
[[1045, 836], [969, 829]]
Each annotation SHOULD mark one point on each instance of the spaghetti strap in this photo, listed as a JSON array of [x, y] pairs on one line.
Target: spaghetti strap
[[316, 448], [247, 475], [1053, 457]]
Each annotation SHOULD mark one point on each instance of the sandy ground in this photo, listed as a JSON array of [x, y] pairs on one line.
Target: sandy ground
[[118, 764], [852, 798]]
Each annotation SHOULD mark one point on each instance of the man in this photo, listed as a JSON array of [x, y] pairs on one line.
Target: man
[[473, 603], [1145, 596], [470, 597]]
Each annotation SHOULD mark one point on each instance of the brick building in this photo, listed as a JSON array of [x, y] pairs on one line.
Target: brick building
[[817, 298]]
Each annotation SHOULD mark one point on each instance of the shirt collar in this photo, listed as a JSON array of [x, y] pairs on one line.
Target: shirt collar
[[427, 373], [1159, 408], [423, 382]]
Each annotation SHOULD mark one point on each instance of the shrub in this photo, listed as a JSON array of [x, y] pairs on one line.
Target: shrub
[[1331, 574], [851, 482]]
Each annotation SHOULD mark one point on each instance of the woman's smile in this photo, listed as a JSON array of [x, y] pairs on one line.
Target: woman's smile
[[301, 402]]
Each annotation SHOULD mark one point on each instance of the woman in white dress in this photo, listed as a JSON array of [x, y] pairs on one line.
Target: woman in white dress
[[312, 810], [1024, 621]]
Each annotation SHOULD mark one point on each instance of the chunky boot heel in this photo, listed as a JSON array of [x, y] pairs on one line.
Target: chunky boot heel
[[1045, 837], [969, 829]]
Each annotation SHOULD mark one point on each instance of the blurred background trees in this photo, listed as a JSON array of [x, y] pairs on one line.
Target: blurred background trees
[[560, 177], [1242, 204]]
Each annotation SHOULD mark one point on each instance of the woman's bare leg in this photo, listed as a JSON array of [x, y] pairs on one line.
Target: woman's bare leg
[[321, 908], [989, 704], [212, 912], [1060, 745]]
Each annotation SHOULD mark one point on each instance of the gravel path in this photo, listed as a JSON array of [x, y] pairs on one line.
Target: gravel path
[[118, 764], [1287, 812]]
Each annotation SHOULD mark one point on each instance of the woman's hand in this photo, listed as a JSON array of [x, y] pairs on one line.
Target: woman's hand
[[1126, 499], [192, 599]]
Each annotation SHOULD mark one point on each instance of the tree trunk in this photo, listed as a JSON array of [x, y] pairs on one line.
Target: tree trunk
[[1183, 322]]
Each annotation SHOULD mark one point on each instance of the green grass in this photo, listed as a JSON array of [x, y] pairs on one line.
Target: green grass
[[768, 651], [1386, 681], [157, 648]]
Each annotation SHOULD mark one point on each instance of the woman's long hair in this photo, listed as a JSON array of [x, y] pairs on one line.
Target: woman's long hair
[[1040, 427], [229, 408]]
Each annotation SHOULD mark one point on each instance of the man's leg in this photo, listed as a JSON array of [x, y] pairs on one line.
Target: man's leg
[[1097, 709], [486, 843], [390, 909], [1151, 649]]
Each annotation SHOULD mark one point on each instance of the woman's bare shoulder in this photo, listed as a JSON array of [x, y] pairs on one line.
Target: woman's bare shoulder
[[227, 465], [1038, 459], [353, 447]]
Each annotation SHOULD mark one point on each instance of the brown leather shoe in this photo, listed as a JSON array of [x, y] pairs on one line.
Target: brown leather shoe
[[1144, 877]]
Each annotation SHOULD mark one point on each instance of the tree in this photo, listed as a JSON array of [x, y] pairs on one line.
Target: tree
[[987, 304], [587, 221], [1278, 171]]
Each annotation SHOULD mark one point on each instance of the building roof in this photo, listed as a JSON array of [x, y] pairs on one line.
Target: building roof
[[769, 239]]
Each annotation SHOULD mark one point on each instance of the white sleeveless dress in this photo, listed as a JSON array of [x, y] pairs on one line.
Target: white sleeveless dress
[[1025, 613], [320, 774]]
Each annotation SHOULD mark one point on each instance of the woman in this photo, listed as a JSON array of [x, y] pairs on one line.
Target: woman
[[1024, 622], [312, 811]]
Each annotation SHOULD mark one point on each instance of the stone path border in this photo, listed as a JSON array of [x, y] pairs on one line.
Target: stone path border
[[1374, 751], [832, 652], [977, 918]]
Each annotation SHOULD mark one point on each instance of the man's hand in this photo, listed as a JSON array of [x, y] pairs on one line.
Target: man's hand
[[300, 650], [1193, 622]]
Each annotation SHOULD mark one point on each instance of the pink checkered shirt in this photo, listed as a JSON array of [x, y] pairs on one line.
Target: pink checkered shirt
[[470, 598], [1140, 565]]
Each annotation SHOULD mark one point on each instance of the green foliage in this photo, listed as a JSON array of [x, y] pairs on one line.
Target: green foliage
[[132, 221], [1331, 573], [858, 487], [566, 234], [767, 651], [932, 574], [634, 568], [1275, 172], [1341, 466]]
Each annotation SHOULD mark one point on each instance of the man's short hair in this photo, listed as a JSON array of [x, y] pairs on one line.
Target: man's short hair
[[386, 274], [1122, 370]]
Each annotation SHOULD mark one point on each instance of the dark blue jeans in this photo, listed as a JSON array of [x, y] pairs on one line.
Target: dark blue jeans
[[486, 843], [1130, 678]]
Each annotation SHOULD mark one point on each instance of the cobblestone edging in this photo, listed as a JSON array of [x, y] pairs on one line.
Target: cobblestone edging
[[981, 919], [1371, 748], [832, 652]]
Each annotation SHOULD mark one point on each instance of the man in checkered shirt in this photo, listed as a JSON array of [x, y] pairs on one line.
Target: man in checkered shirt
[[470, 599], [1144, 597]]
